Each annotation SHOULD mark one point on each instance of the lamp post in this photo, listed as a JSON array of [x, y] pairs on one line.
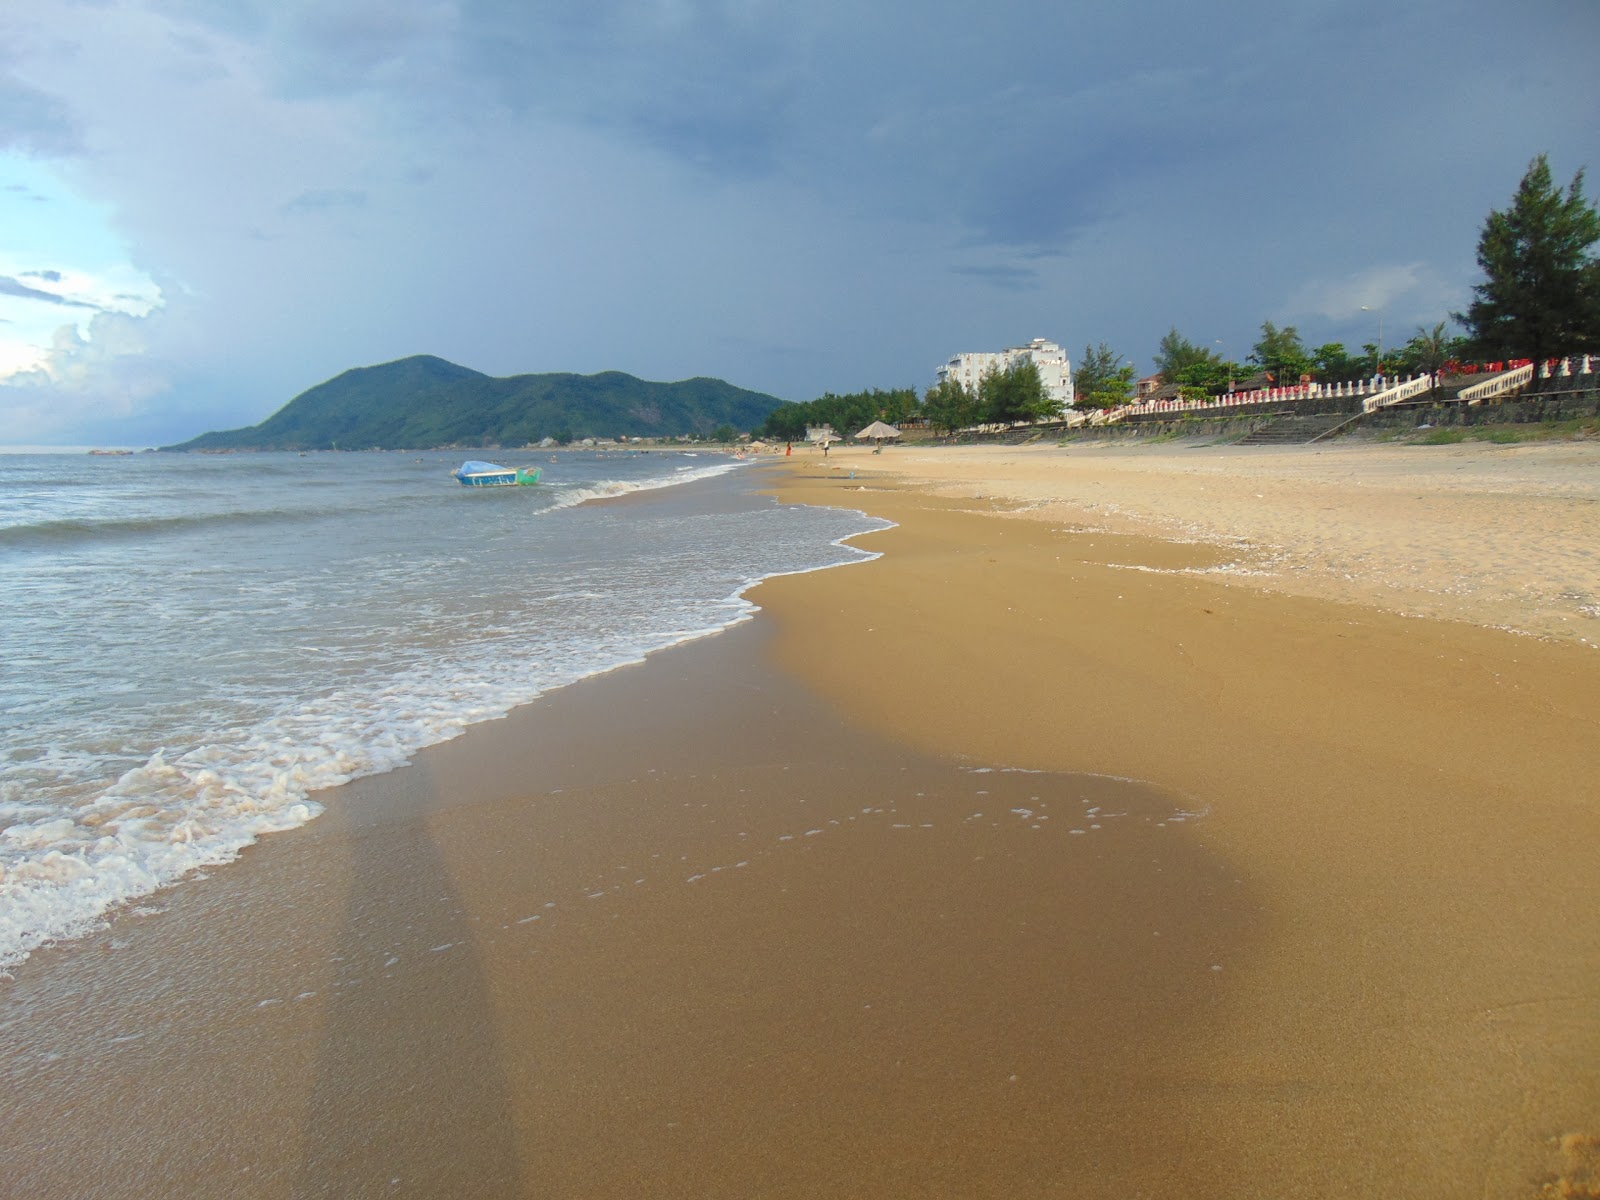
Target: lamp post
[[1379, 311]]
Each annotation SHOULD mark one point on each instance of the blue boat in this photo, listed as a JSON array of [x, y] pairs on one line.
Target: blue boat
[[474, 473]]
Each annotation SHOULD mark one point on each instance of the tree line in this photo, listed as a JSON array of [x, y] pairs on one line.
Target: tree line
[[1540, 300], [1004, 396], [1278, 358]]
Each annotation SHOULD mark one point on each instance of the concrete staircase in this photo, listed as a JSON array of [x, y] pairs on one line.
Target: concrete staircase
[[1021, 437], [1290, 430]]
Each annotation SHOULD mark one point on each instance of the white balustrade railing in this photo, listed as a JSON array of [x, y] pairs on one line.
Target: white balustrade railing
[[1414, 386], [1519, 377], [1280, 395], [1377, 392], [1511, 381]]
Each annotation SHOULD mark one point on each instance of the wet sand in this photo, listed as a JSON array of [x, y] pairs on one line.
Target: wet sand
[[679, 931], [758, 918]]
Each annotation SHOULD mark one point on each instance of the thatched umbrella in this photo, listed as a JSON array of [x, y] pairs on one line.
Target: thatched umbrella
[[878, 431]]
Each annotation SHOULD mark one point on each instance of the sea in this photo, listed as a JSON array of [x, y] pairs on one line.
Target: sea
[[191, 646]]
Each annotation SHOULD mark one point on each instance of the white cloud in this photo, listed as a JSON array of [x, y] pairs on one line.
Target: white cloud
[[82, 381], [1403, 293], [18, 354], [1342, 299], [60, 262], [34, 341]]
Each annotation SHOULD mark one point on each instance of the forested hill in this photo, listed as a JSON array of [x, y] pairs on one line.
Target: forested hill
[[424, 402]]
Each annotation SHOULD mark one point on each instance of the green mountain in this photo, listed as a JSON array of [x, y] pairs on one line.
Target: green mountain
[[423, 402]]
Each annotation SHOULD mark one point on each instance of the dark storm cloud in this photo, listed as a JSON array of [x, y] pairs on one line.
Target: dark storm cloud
[[33, 121], [799, 197], [14, 287], [1025, 123]]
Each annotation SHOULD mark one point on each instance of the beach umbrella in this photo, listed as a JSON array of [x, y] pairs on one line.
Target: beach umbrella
[[823, 438], [878, 430]]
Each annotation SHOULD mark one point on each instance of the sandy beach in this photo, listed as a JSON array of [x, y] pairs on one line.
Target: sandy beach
[[1144, 822], [1497, 535], [1412, 799]]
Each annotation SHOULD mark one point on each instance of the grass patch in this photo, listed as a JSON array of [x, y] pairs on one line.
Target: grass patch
[[1573, 429]]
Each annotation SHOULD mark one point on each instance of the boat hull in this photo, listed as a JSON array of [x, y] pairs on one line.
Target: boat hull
[[489, 475]]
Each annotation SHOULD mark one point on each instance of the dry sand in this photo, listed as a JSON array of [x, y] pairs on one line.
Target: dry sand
[[1414, 801], [757, 918], [1506, 536]]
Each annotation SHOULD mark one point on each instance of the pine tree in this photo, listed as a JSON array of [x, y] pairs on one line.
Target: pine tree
[[1541, 295], [1177, 354], [1281, 353], [1101, 381]]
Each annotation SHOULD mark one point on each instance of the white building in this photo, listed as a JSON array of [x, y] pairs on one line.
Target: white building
[[1054, 370]]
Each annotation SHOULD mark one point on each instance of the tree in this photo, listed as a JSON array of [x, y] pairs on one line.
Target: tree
[[1331, 363], [1281, 354], [1015, 393], [1101, 380], [949, 406], [1177, 354], [786, 423], [1207, 377], [1428, 350], [1032, 399], [896, 404], [845, 413], [1540, 297]]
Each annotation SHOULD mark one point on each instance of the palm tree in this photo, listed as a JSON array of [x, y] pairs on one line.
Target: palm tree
[[1431, 347]]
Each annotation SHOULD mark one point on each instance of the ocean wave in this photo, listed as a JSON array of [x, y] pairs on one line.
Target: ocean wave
[[63, 871], [64, 532], [572, 495], [69, 864]]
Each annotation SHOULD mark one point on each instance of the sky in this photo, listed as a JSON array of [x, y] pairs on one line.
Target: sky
[[208, 206]]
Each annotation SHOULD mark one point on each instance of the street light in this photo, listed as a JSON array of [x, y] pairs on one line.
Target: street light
[[1379, 311]]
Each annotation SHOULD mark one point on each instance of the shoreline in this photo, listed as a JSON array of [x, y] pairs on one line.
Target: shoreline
[[556, 958], [1342, 941]]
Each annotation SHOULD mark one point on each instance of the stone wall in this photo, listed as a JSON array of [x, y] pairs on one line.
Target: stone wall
[[1527, 409]]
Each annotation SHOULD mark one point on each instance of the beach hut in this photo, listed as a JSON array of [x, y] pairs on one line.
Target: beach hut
[[878, 432]]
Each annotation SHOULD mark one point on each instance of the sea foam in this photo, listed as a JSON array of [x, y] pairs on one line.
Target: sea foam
[[268, 659]]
